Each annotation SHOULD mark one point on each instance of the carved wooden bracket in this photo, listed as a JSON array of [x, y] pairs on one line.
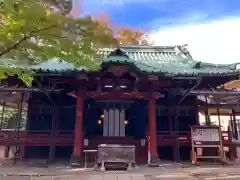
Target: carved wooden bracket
[[82, 77], [73, 94], [152, 77], [118, 70], [114, 95], [155, 95]]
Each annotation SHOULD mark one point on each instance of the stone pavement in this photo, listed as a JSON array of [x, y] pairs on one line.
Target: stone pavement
[[141, 173]]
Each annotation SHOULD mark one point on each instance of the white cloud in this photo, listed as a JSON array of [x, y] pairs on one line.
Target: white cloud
[[216, 41]]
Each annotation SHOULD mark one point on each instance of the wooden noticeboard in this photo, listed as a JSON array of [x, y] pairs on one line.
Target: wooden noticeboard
[[204, 137]]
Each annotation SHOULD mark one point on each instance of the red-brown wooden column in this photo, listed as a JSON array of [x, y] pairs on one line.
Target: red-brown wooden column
[[22, 145], [170, 120], [78, 133], [24, 135], [152, 130]]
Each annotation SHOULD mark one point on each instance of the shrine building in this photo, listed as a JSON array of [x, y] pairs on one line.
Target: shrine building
[[146, 96]]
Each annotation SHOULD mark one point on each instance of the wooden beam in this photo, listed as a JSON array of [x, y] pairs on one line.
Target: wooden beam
[[209, 92], [118, 95], [227, 106], [12, 89]]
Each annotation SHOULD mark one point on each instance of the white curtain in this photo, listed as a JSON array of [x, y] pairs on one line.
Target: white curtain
[[121, 123], [113, 123], [105, 123]]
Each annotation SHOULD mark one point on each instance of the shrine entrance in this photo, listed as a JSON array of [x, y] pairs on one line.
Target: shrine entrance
[[115, 118], [114, 122], [122, 122]]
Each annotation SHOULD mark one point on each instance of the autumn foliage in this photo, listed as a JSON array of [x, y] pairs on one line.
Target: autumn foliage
[[123, 34]]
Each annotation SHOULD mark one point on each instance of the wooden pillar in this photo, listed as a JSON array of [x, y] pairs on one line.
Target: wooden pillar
[[152, 130], [170, 125], [22, 150], [170, 120], [6, 151], [235, 130], [57, 116], [78, 133], [20, 137], [197, 111], [207, 117], [233, 134], [53, 133], [175, 152], [232, 149]]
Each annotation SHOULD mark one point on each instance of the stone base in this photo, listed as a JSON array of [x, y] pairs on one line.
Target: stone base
[[37, 162], [130, 165], [154, 161], [76, 161]]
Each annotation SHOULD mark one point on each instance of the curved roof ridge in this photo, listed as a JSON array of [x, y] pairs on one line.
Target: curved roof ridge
[[148, 46], [206, 64], [144, 48]]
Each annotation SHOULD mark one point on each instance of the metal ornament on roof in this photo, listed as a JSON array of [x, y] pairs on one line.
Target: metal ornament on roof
[[237, 66]]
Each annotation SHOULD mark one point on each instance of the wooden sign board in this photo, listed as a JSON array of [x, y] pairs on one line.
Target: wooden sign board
[[206, 137]]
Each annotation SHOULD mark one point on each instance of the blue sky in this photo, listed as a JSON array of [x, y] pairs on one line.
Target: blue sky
[[141, 13], [207, 26]]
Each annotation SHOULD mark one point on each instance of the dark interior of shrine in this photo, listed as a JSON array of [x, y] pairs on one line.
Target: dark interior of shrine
[[181, 122], [43, 115], [93, 110], [135, 116]]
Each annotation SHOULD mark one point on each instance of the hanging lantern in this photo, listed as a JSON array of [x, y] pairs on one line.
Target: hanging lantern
[[126, 122], [211, 97], [99, 122]]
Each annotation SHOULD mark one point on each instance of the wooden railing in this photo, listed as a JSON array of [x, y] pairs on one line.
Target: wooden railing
[[37, 137], [65, 138], [168, 138]]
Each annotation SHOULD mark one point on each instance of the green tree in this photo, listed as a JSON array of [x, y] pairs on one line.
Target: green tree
[[32, 32], [9, 116]]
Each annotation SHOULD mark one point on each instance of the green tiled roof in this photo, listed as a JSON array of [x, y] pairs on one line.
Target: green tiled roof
[[57, 66], [167, 60]]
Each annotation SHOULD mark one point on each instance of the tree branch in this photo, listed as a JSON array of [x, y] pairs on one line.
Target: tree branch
[[26, 37], [14, 46], [60, 37], [43, 29]]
